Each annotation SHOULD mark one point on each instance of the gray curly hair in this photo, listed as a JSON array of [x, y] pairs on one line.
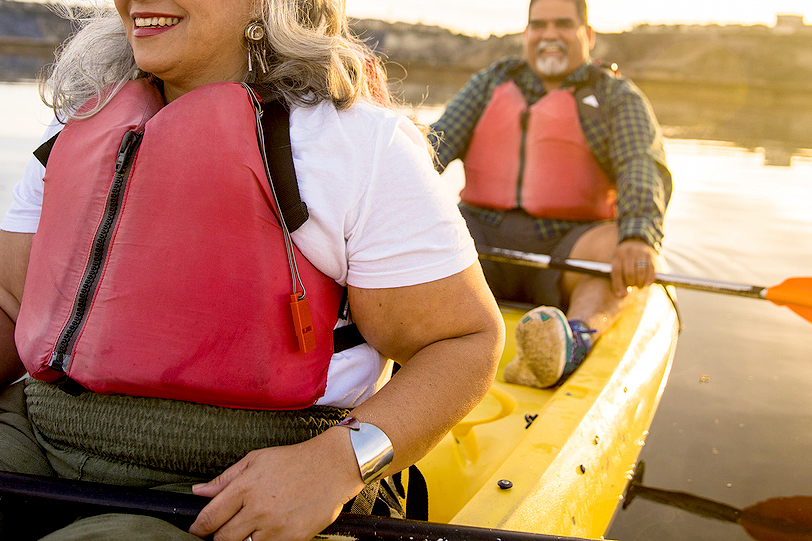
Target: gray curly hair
[[310, 52]]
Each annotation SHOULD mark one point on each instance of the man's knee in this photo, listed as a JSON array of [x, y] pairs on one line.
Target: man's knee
[[597, 244]]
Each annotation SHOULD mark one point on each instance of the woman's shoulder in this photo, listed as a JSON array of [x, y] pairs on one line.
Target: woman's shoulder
[[325, 115], [364, 126]]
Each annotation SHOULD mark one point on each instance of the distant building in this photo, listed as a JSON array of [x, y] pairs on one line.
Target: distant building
[[789, 24]]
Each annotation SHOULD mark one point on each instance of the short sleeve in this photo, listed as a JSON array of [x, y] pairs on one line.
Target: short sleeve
[[408, 228], [26, 206], [380, 215]]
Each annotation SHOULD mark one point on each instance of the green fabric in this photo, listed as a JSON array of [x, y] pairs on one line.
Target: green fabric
[[119, 527], [133, 442], [167, 435], [20, 452]]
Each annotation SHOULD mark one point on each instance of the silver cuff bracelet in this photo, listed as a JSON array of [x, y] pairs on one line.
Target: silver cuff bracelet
[[373, 450]]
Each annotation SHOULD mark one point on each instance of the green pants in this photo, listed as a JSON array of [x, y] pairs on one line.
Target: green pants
[[22, 450], [117, 527], [139, 442]]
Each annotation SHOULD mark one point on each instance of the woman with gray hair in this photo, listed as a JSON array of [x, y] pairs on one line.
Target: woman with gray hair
[[207, 301]]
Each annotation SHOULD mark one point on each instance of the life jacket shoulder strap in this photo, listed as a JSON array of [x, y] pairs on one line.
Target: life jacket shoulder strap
[[588, 88], [276, 125], [585, 98]]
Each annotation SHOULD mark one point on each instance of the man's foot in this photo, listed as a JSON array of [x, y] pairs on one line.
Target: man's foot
[[548, 348]]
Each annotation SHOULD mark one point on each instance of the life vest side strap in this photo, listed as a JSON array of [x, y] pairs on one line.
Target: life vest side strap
[[347, 337], [44, 150]]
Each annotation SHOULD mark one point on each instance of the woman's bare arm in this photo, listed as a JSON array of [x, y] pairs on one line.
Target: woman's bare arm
[[14, 251], [448, 336]]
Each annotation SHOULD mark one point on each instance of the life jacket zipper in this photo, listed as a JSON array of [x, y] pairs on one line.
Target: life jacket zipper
[[522, 156], [61, 356]]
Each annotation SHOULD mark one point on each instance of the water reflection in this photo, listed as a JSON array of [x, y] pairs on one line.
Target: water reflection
[[775, 122], [775, 519], [22, 67]]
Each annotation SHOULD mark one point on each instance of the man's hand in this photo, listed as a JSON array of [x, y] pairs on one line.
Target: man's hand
[[633, 265]]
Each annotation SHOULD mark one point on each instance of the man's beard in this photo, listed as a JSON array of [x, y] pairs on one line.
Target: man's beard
[[552, 66]]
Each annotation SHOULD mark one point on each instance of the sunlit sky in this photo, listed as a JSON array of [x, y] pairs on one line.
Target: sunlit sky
[[484, 17]]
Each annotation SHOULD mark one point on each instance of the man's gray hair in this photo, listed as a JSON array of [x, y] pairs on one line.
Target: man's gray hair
[[580, 7]]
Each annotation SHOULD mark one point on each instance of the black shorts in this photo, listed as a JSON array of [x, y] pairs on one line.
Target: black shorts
[[516, 231]]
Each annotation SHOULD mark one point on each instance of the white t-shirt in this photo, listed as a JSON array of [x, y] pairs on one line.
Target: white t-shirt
[[380, 216]]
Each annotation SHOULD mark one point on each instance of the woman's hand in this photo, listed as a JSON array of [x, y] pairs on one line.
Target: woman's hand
[[290, 492]]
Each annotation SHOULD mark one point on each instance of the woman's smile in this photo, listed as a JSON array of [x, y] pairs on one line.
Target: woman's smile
[[188, 43], [150, 25]]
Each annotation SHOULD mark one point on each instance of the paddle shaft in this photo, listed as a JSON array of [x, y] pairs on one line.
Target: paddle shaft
[[759, 525], [687, 502], [595, 268], [181, 510]]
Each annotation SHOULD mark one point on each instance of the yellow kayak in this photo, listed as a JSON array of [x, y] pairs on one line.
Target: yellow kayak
[[557, 461], [548, 462]]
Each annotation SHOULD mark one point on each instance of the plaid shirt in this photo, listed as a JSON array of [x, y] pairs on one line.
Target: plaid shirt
[[626, 141]]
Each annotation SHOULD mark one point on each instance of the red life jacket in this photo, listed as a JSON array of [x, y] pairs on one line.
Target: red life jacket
[[160, 270], [536, 158]]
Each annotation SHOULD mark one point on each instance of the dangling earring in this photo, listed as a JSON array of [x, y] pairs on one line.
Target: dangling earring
[[255, 34]]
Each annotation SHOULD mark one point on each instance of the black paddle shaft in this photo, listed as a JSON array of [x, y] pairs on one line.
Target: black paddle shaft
[[181, 510]]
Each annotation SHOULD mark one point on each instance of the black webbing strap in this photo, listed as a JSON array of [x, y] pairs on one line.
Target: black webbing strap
[[278, 149], [346, 337], [44, 150], [276, 125]]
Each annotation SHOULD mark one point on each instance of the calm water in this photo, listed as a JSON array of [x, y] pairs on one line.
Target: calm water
[[735, 422]]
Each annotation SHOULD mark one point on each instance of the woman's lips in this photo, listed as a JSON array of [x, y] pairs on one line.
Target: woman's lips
[[151, 25]]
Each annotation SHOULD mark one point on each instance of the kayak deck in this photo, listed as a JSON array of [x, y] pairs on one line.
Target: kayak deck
[[567, 453]]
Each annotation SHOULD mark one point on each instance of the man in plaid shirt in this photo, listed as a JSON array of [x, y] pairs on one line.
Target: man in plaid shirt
[[623, 152]]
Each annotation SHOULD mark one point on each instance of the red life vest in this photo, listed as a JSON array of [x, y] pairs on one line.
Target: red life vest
[[536, 158], [167, 276]]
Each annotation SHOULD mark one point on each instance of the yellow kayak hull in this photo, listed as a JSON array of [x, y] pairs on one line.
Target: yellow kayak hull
[[566, 453]]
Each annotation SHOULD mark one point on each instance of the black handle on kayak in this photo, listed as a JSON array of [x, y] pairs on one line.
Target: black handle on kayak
[[181, 510]]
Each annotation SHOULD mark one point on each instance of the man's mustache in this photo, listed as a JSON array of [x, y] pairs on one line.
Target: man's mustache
[[554, 43]]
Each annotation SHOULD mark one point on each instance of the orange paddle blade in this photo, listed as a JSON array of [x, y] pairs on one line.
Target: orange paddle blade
[[795, 294], [779, 519]]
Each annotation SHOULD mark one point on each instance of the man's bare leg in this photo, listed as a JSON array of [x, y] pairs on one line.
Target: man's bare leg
[[591, 298], [548, 346]]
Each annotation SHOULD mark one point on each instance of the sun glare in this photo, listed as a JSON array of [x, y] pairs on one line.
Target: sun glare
[[484, 17]]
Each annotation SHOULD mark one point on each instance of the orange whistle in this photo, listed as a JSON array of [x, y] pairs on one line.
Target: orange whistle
[[302, 323]]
